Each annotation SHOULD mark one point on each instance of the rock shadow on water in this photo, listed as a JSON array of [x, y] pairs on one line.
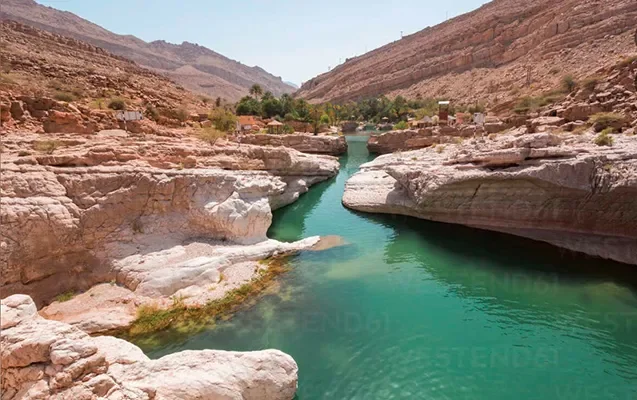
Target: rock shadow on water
[[288, 223], [504, 253], [522, 282]]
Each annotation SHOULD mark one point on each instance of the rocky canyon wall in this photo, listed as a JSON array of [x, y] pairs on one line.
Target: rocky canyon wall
[[502, 42]]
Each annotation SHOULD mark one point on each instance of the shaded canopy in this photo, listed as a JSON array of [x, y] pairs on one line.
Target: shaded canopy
[[275, 123]]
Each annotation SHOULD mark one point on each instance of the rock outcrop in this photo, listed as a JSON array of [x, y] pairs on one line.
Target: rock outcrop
[[558, 188], [489, 54], [609, 90], [305, 143], [43, 359], [393, 141], [158, 216]]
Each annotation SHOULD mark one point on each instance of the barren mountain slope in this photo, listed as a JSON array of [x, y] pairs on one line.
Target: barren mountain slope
[[485, 54], [222, 76], [56, 83]]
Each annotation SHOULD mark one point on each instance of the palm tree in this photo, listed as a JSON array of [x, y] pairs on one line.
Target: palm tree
[[256, 90]]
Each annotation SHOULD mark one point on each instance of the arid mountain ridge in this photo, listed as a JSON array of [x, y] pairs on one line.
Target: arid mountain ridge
[[501, 51], [193, 66]]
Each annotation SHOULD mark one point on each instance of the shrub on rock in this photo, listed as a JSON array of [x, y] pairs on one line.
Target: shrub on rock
[[117, 104], [604, 138], [569, 84], [602, 121], [211, 135], [64, 96], [402, 125]]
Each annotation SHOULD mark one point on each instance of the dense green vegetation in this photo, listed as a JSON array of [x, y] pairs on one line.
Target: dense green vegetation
[[375, 109]]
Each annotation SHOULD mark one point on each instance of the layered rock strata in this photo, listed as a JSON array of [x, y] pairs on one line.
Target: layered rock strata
[[485, 54], [154, 216], [305, 143], [43, 359], [558, 188]]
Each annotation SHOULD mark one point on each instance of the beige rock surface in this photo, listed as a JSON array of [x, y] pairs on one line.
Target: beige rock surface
[[43, 359], [77, 215], [562, 189], [305, 143], [410, 139]]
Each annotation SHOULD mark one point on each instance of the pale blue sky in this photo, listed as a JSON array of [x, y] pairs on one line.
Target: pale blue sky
[[294, 39]]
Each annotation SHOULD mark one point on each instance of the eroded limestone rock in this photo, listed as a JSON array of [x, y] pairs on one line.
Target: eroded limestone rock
[[43, 359], [70, 214], [562, 189]]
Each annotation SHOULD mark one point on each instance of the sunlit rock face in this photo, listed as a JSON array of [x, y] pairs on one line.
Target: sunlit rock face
[[562, 189], [69, 214]]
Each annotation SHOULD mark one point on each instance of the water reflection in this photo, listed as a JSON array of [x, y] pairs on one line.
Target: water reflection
[[525, 283]]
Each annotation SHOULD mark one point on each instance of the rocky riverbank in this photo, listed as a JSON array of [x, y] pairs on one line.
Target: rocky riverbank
[[151, 217], [305, 143], [559, 188], [403, 140], [43, 359]]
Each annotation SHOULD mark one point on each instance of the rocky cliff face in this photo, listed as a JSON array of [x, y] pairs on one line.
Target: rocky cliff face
[[332, 145], [191, 65], [503, 50], [558, 188], [43, 359], [73, 206]]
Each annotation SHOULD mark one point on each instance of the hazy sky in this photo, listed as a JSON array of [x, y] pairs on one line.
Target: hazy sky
[[294, 39]]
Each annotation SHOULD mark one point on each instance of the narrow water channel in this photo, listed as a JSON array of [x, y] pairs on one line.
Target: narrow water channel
[[416, 310]]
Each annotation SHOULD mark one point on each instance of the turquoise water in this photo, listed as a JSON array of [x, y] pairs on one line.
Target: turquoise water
[[411, 309]]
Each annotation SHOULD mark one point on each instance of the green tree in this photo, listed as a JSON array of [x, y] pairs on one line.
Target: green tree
[[402, 125], [303, 110], [267, 96], [287, 104], [271, 107], [256, 90], [248, 106], [223, 120], [316, 112]]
